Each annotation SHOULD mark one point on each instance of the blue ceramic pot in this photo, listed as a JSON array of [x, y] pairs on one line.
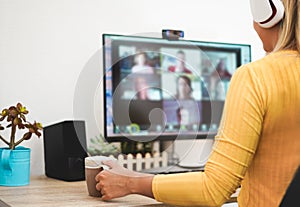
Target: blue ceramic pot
[[14, 166]]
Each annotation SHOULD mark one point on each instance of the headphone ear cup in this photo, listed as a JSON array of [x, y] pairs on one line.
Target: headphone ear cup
[[267, 13]]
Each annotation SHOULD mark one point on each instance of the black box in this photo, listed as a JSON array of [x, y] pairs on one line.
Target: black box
[[65, 150]]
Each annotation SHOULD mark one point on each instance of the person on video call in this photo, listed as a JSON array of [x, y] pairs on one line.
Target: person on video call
[[140, 64], [186, 117], [257, 146], [182, 116], [141, 88], [183, 88], [180, 64], [219, 91], [219, 77], [222, 71]]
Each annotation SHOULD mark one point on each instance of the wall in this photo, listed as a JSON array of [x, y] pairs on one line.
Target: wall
[[50, 50]]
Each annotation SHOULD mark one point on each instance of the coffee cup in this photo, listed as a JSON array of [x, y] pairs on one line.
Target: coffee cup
[[93, 165]]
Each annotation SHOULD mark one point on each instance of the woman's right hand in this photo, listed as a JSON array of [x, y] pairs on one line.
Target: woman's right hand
[[119, 181]]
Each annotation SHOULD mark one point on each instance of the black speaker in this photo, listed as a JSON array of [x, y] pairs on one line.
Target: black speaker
[[65, 150]]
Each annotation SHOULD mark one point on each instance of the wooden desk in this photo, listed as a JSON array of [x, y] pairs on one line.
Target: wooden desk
[[43, 191]]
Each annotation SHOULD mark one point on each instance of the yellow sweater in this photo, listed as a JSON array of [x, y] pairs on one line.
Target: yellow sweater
[[258, 142]]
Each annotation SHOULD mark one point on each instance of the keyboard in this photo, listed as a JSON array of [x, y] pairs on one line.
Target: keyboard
[[171, 169]]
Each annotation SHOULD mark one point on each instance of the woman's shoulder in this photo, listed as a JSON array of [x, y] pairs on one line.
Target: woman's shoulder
[[275, 57], [271, 62], [268, 68]]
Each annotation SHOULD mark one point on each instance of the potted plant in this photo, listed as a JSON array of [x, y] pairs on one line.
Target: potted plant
[[98, 146], [15, 159]]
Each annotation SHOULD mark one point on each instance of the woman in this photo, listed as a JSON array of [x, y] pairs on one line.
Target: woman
[[183, 88], [180, 64], [257, 146], [141, 87], [141, 66]]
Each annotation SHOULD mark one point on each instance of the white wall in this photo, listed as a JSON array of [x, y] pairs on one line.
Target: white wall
[[48, 48]]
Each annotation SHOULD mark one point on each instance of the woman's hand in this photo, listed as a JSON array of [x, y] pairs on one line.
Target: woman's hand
[[119, 181], [113, 183]]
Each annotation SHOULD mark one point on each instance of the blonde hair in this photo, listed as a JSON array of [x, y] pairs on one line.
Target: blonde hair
[[289, 35]]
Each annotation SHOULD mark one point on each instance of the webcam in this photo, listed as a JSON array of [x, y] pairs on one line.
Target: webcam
[[171, 34]]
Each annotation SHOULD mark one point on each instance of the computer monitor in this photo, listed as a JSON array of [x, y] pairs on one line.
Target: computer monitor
[[159, 89]]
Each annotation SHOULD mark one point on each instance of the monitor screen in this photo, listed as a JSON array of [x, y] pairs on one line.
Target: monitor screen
[[159, 89]]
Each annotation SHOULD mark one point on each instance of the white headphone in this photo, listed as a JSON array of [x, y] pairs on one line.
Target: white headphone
[[267, 13]]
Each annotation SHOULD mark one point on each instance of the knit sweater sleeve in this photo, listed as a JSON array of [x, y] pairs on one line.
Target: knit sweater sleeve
[[232, 153]]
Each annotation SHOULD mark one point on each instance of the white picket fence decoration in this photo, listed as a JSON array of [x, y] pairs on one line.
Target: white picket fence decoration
[[140, 163]]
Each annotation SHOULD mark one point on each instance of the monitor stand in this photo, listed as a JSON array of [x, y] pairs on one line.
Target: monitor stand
[[192, 153], [184, 156]]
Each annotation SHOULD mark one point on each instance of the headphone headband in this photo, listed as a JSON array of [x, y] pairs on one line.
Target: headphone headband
[[267, 13]]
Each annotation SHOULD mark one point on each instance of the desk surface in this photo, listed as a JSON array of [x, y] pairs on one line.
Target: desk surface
[[43, 191]]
